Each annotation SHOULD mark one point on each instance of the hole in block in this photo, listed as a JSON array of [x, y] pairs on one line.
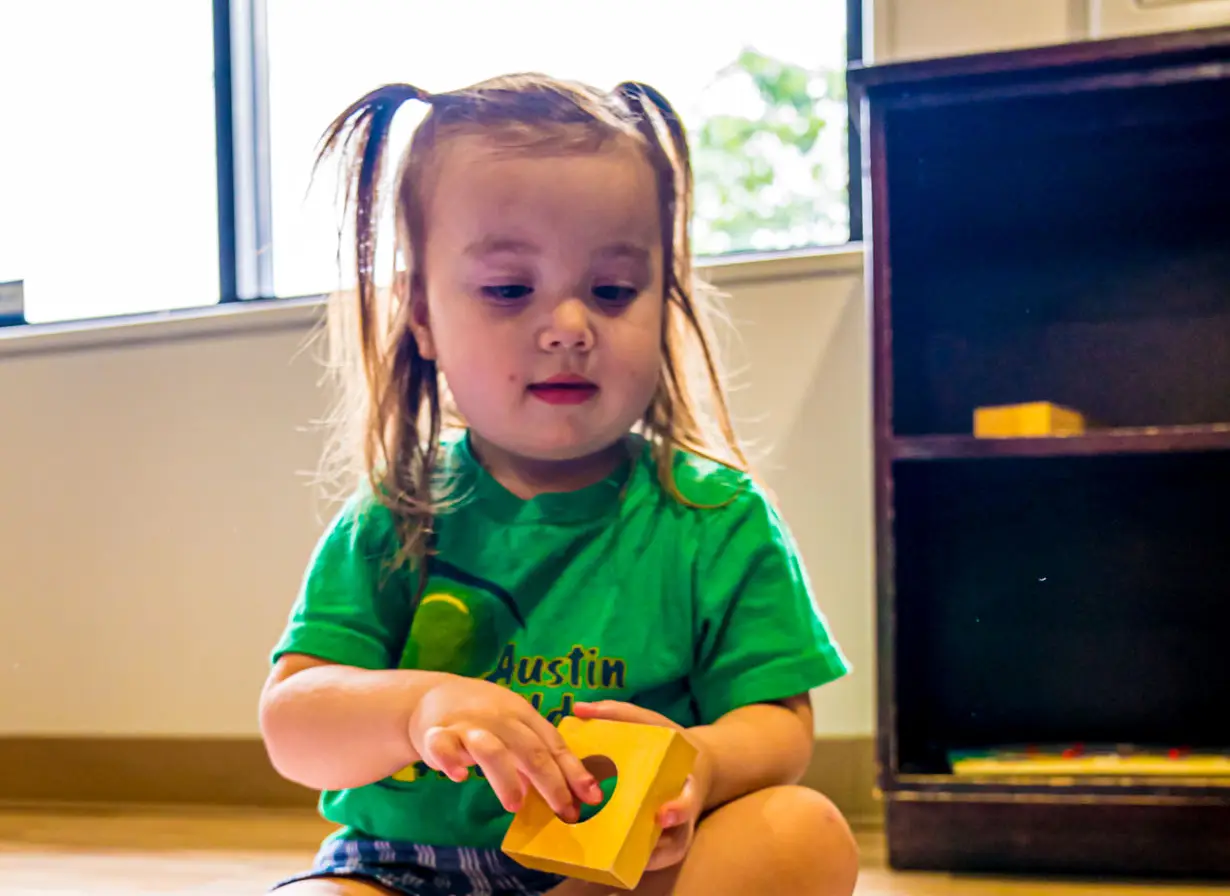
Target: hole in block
[[603, 768]]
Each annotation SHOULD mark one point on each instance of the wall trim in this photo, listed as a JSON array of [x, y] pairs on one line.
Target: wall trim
[[187, 771], [216, 321], [236, 773], [838, 261]]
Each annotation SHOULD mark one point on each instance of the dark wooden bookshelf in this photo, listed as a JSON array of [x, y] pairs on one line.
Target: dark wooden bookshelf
[[1052, 225], [1143, 440]]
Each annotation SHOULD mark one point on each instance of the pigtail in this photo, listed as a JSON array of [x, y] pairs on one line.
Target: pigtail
[[367, 120], [395, 390], [674, 411]]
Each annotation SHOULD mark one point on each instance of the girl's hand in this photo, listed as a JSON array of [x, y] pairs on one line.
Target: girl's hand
[[677, 817], [462, 722]]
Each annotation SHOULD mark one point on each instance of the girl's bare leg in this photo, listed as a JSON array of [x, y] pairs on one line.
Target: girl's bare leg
[[788, 840]]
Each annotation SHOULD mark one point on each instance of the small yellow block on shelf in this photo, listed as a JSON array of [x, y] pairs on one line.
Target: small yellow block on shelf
[[1033, 419], [612, 848]]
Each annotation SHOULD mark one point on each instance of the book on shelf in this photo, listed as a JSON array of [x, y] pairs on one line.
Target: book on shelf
[[1099, 760]]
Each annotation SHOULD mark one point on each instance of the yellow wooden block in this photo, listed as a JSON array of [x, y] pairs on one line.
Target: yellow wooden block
[[1034, 419], [652, 764]]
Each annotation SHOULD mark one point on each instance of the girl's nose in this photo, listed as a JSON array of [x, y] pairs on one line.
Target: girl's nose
[[569, 329]]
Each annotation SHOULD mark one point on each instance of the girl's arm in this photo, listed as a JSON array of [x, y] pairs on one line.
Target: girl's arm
[[330, 727], [754, 747]]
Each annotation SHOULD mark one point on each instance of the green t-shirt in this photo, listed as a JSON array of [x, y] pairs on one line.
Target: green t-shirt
[[615, 591]]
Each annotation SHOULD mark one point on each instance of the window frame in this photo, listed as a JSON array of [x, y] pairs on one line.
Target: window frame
[[854, 143], [241, 108], [245, 215]]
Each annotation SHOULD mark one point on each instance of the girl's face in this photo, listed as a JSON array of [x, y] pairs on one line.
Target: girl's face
[[543, 300]]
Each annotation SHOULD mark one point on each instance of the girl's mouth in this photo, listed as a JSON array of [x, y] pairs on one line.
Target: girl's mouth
[[565, 389]]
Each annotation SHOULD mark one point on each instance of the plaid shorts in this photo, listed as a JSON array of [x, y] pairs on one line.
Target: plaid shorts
[[414, 870]]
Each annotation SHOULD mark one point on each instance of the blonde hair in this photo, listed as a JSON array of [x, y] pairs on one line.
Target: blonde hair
[[390, 407]]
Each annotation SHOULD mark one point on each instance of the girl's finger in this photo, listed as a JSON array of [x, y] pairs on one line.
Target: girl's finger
[[498, 764], [443, 751], [681, 808], [671, 849], [672, 815], [619, 711], [538, 762], [580, 780]]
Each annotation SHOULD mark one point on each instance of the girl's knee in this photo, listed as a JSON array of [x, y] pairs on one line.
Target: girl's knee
[[812, 841]]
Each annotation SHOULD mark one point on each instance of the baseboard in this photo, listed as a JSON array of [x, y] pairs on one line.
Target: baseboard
[[184, 771], [236, 772]]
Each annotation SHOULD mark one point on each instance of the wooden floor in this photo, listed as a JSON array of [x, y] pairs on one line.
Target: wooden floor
[[228, 854]]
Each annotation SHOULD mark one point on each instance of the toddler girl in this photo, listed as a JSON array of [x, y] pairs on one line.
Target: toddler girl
[[586, 541]]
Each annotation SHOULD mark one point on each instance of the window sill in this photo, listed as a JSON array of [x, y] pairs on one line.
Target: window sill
[[236, 319], [776, 266], [242, 319]]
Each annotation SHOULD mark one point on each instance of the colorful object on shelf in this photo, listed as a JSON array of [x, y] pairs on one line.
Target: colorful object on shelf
[[1072, 760], [1032, 419], [612, 848]]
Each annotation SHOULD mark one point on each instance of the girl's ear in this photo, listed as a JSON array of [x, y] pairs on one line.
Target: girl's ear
[[419, 323]]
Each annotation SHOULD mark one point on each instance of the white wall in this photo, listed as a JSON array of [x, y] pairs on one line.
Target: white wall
[[917, 29], [914, 29], [156, 514], [153, 518], [1114, 18], [806, 401]]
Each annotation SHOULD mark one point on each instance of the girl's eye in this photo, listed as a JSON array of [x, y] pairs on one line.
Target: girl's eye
[[615, 295], [507, 292]]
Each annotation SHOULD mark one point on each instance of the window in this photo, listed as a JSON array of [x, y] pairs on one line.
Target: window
[[762, 95], [108, 188], [158, 154]]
